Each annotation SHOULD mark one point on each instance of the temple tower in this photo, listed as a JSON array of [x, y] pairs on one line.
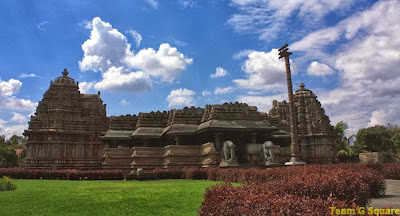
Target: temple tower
[[65, 130]]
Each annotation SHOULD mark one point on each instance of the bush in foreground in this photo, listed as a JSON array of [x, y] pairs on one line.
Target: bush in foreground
[[257, 200], [24, 173], [7, 184]]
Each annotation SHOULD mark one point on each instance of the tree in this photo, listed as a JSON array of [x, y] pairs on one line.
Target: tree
[[374, 139], [341, 139], [396, 140], [8, 157], [17, 141]]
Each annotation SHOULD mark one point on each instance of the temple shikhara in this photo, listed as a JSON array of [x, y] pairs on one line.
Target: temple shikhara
[[70, 130]]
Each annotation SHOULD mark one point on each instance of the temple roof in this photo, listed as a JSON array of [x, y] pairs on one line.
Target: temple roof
[[65, 79], [234, 125]]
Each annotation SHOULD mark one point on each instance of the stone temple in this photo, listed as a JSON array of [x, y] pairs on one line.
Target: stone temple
[[70, 130]]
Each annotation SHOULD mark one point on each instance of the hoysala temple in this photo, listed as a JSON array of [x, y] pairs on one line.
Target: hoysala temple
[[70, 130]]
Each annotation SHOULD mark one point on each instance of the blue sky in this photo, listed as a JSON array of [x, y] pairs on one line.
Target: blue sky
[[149, 55]]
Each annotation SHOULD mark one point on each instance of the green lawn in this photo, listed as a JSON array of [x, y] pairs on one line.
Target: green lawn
[[61, 197]]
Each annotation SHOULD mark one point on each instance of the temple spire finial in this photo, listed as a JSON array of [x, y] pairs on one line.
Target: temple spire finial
[[65, 72], [302, 86]]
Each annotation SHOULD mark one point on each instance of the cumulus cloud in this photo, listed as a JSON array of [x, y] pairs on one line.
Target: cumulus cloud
[[108, 51], [116, 79], [85, 87], [319, 69], [18, 117], [27, 75], [181, 97], [384, 116], [9, 130], [264, 71], [226, 90], [167, 62], [267, 19], [136, 36], [105, 48], [10, 87], [219, 72]]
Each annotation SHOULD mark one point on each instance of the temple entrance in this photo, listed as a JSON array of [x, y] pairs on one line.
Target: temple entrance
[[241, 150]]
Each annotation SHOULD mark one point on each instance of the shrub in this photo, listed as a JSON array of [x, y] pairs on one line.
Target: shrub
[[195, 173], [170, 173], [391, 171], [7, 184], [257, 200], [24, 173]]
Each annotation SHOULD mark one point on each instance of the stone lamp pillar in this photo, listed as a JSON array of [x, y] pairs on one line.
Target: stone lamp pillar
[[294, 147]]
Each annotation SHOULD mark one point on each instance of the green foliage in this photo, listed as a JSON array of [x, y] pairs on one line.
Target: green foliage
[[17, 141], [8, 157], [62, 197], [374, 139], [7, 184], [396, 140], [340, 129]]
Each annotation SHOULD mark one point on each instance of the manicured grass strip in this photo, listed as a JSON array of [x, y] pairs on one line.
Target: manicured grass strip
[[61, 197]]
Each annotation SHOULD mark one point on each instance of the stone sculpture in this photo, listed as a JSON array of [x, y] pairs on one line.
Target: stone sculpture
[[268, 151], [228, 155]]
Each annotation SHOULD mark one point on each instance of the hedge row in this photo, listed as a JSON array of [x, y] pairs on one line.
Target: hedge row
[[24, 173], [257, 200], [181, 173]]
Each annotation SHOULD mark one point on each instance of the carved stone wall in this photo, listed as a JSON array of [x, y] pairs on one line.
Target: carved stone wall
[[65, 130], [122, 122]]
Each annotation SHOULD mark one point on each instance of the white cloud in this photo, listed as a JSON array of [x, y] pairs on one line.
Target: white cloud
[[263, 103], [17, 103], [152, 3], [9, 130], [17, 117], [319, 69], [105, 48], [219, 72], [27, 75], [108, 51], [243, 53], [226, 90], [166, 63], [41, 25], [136, 36], [85, 87], [205, 93], [124, 102], [10, 87], [118, 79], [368, 53], [181, 97], [264, 71], [188, 3], [268, 18]]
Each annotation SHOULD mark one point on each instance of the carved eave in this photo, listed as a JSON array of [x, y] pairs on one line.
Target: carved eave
[[148, 132], [180, 129], [117, 134], [236, 125]]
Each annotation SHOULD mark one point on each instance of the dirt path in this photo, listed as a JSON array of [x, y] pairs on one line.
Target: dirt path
[[391, 198]]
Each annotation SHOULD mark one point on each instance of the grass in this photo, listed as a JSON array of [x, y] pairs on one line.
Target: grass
[[61, 197]]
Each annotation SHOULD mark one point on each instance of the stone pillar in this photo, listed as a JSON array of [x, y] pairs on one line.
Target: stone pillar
[[178, 140], [218, 139], [294, 147]]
